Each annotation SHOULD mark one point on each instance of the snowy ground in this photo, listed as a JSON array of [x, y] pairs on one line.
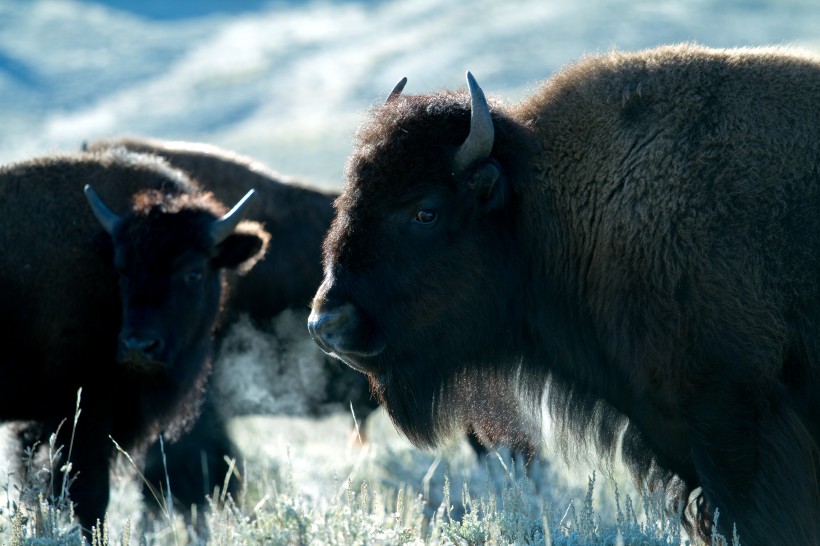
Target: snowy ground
[[287, 82]]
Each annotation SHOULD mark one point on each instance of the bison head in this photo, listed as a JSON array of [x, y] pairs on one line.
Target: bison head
[[169, 252], [422, 280]]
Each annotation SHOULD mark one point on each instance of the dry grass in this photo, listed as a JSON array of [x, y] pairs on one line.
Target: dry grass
[[313, 482]]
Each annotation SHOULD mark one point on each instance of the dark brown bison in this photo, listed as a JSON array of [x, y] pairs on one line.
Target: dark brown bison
[[124, 311], [641, 237], [298, 217]]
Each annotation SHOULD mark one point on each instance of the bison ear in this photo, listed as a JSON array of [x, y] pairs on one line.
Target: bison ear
[[243, 248], [489, 185]]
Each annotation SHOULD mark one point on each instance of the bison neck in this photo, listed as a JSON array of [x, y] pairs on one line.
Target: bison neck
[[586, 341]]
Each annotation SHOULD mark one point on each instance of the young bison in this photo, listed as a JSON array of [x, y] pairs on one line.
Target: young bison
[[641, 236], [298, 217], [125, 312]]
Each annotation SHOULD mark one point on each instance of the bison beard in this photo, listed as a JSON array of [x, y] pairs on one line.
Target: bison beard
[[429, 408], [639, 242]]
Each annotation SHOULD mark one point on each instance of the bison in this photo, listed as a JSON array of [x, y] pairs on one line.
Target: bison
[[119, 301], [298, 217], [638, 242]]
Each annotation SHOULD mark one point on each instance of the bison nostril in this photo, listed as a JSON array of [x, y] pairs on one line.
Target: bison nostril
[[334, 329], [323, 328], [342, 332], [143, 348]]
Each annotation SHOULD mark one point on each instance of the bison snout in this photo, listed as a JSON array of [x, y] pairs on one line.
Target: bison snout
[[331, 328], [140, 350], [341, 332]]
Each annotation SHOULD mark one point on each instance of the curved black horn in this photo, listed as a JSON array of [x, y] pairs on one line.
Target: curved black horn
[[107, 219], [479, 142], [223, 227], [397, 89]]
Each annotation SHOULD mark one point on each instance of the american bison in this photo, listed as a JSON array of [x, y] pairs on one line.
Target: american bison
[[298, 217], [119, 299], [640, 237]]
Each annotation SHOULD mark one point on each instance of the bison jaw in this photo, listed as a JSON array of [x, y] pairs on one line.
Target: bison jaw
[[339, 333]]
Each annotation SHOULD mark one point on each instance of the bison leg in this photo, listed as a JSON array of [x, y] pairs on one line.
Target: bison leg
[[89, 454], [521, 452], [195, 463], [90, 461], [761, 475]]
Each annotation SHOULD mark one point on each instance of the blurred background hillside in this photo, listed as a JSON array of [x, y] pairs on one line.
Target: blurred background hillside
[[287, 82]]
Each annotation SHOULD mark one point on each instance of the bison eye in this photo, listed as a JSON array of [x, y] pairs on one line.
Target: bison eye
[[426, 216]]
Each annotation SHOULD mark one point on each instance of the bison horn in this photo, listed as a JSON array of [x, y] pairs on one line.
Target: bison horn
[[479, 142], [222, 228], [107, 219], [397, 89]]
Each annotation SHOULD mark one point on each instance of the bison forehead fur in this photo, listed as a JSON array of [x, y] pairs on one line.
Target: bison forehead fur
[[645, 245], [67, 317], [295, 214]]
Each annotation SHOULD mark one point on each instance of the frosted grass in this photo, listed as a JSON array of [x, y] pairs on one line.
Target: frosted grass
[[309, 482]]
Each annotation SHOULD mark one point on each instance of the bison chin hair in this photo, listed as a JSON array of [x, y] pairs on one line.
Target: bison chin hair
[[505, 405], [430, 408]]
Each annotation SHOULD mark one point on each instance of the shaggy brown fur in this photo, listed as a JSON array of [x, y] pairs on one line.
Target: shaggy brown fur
[[298, 217], [643, 239], [66, 314]]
